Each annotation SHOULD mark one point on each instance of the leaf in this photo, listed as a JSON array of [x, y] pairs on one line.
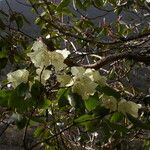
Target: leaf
[[91, 102], [116, 117], [100, 111], [62, 97], [3, 63], [4, 96], [3, 53], [87, 3], [99, 3], [17, 98], [79, 104], [84, 118], [63, 4], [138, 123], [109, 91], [117, 127], [23, 89], [39, 131], [90, 122], [37, 90], [78, 5]]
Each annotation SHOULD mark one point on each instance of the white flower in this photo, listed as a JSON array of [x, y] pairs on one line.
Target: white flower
[[63, 80], [95, 76], [64, 52], [77, 71], [128, 107], [40, 58], [39, 46], [84, 86], [43, 75], [91, 73], [57, 60], [17, 77], [109, 102]]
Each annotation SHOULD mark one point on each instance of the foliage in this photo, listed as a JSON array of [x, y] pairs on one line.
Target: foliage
[[67, 85]]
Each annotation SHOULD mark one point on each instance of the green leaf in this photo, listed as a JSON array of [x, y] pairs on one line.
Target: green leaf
[[91, 102], [3, 53], [78, 5], [79, 104], [63, 4], [3, 63], [117, 127], [109, 91], [84, 118], [4, 96], [90, 122], [138, 123], [39, 131], [87, 3], [99, 3], [62, 97], [116, 117], [100, 111], [17, 98], [23, 89], [36, 90]]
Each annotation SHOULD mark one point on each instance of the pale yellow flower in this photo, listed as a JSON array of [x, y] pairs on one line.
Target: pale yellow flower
[[77, 71], [57, 60], [109, 102], [95, 76], [43, 75], [63, 80], [40, 58], [38, 46], [128, 107], [17, 77], [64, 52], [84, 86]]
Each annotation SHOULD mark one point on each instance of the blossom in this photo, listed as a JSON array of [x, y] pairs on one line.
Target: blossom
[[43, 75], [77, 71], [84, 86], [64, 52], [128, 107], [63, 79], [17, 77], [57, 60], [38, 46], [95, 76], [40, 58], [109, 102]]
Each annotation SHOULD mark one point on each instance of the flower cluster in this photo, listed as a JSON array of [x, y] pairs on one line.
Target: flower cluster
[[41, 58], [81, 81], [17, 77], [122, 106]]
